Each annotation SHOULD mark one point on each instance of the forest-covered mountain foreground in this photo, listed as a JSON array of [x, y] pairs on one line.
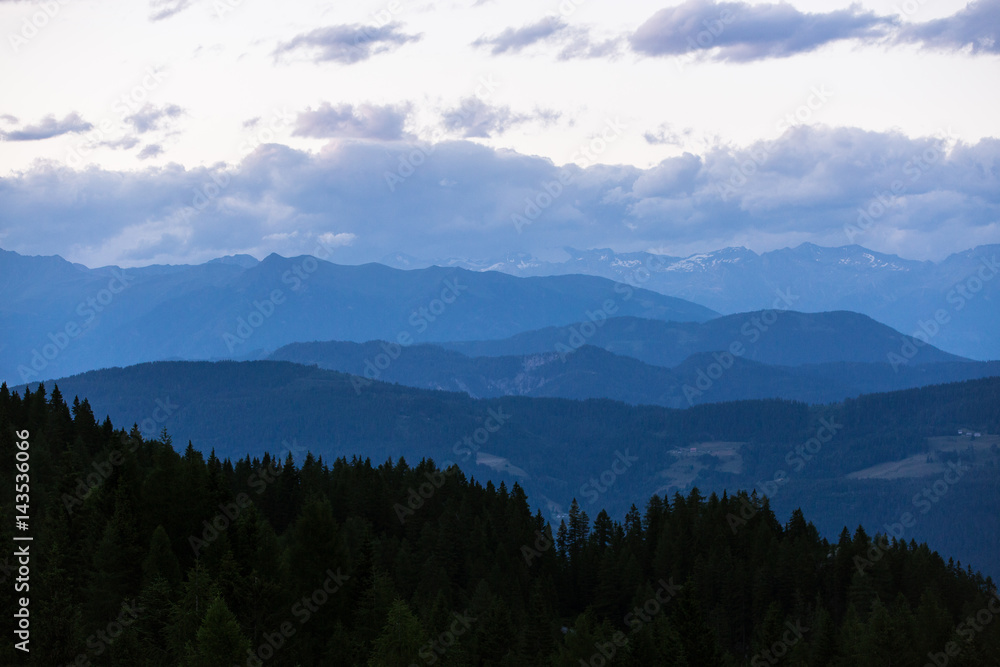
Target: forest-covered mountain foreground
[[143, 556]]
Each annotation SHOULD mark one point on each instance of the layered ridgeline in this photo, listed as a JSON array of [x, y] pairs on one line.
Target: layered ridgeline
[[58, 318], [869, 461], [144, 556], [811, 357], [902, 293], [778, 335]]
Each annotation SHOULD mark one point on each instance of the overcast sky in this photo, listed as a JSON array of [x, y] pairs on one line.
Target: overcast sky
[[176, 131]]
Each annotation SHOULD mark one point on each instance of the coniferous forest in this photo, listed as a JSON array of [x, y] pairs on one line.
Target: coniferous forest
[[141, 555]]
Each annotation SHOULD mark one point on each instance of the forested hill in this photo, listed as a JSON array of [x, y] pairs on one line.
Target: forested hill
[[146, 556], [890, 446]]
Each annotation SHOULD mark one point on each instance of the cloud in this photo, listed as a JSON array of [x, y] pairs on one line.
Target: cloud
[[976, 27], [666, 134], [49, 127], [460, 198], [152, 150], [741, 32], [348, 44], [163, 9], [580, 44], [475, 118], [576, 41], [364, 121], [330, 239], [124, 143], [514, 39], [149, 117]]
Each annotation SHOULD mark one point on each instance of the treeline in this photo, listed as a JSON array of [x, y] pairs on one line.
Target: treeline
[[145, 556]]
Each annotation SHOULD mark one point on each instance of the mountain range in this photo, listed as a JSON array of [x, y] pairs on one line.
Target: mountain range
[[58, 318], [898, 292], [594, 372]]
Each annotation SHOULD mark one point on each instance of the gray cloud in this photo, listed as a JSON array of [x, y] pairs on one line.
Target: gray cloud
[[742, 32], [124, 143], [364, 121], [514, 39], [151, 150], [49, 127], [460, 199], [475, 118], [348, 44], [666, 134], [976, 27], [575, 41], [149, 117], [580, 44], [164, 9]]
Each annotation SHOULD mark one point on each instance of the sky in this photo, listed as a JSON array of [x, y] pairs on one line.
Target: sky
[[177, 131]]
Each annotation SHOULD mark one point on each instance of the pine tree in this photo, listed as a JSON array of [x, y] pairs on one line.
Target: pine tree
[[219, 640], [401, 638]]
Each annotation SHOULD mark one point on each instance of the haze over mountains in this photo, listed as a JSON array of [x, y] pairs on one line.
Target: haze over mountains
[[895, 291], [594, 372], [57, 318]]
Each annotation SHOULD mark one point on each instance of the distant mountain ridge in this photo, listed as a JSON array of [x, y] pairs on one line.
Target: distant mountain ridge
[[57, 318], [593, 372], [898, 292], [786, 338]]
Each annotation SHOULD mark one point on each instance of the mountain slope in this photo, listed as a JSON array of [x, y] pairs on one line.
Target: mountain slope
[[592, 372], [786, 338], [57, 318], [898, 292], [559, 449]]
